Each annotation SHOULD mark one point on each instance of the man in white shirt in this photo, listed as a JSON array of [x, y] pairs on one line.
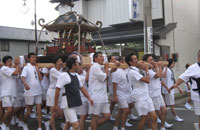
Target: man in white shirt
[[140, 94], [169, 81], [98, 91], [45, 84], [9, 89], [71, 96], [122, 92], [31, 78], [20, 101], [111, 59], [53, 77], [193, 73], [82, 111], [155, 88]]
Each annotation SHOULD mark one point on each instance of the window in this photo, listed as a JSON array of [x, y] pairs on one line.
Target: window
[[5, 45], [165, 52]]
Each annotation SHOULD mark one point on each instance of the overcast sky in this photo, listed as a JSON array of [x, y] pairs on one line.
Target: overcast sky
[[12, 16]]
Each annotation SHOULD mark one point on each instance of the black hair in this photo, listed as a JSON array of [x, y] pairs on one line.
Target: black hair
[[187, 65], [128, 58], [31, 54], [55, 59], [109, 58], [5, 58], [198, 52], [146, 56], [170, 61], [157, 58], [121, 58], [96, 54], [70, 62]]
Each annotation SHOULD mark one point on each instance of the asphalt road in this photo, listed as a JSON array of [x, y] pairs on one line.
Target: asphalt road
[[188, 116]]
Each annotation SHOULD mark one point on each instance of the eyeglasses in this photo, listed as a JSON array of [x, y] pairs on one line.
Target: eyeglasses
[[35, 75]]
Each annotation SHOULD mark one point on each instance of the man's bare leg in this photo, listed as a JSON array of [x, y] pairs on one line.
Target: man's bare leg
[[153, 120], [142, 123], [8, 115], [124, 115], [39, 115], [28, 112], [82, 121]]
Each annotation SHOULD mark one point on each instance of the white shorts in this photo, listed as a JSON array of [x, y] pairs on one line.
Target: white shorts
[[8, 101], [123, 103], [158, 102], [98, 108], [31, 100], [70, 115], [20, 103], [143, 107], [169, 99], [83, 109], [197, 107], [50, 97]]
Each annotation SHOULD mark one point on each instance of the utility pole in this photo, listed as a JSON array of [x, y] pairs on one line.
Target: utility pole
[[35, 16], [148, 30]]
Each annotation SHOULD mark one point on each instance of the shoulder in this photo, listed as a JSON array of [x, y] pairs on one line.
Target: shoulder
[[64, 74], [26, 67], [94, 68], [151, 71], [45, 70], [53, 70], [64, 77], [3, 68], [133, 70], [7, 69], [193, 66], [116, 72], [96, 65]]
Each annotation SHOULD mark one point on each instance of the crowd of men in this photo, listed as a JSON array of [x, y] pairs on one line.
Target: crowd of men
[[147, 86]]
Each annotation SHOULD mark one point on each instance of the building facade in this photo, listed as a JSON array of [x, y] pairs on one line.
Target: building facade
[[18, 41], [176, 25]]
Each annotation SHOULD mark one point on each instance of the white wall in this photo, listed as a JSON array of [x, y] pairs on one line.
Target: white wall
[[186, 38], [110, 11]]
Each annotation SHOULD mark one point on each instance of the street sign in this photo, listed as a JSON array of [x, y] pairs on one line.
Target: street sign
[[134, 10], [150, 40]]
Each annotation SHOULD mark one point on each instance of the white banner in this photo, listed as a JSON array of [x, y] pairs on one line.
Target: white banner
[[150, 40], [134, 11]]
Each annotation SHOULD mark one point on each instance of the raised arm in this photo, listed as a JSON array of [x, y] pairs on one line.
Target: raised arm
[[39, 73], [158, 70], [146, 78]]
